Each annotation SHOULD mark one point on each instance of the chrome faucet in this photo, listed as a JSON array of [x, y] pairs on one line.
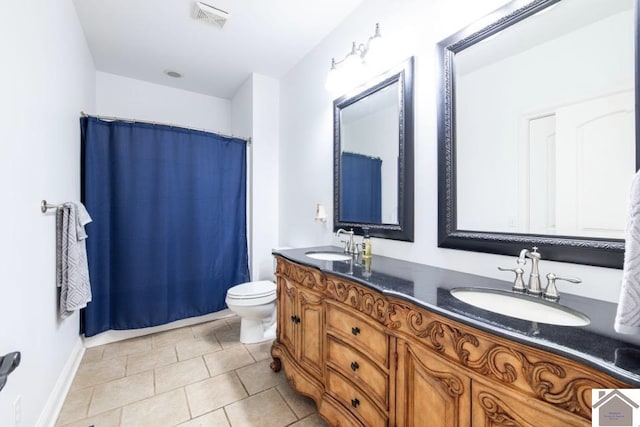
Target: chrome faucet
[[350, 246], [533, 286]]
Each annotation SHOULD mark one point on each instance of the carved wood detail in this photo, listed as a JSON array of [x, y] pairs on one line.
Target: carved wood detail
[[536, 373], [494, 410], [505, 362], [308, 277], [450, 382]]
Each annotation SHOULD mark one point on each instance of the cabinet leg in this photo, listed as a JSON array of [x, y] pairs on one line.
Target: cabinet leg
[[276, 365]]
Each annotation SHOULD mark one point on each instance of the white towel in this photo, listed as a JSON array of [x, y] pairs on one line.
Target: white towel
[[72, 270], [628, 315]]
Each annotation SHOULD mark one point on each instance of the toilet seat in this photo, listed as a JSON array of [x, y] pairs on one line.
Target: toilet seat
[[252, 293], [252, 290]]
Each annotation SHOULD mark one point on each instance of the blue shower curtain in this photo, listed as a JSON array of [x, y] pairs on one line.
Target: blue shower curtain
[[168, 236], [361, 193]]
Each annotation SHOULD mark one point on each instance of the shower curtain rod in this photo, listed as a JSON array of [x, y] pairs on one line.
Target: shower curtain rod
[[110, 118]]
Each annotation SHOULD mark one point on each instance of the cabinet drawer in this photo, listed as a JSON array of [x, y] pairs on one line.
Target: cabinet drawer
[[362, 333], [358, 369], [354, 399]]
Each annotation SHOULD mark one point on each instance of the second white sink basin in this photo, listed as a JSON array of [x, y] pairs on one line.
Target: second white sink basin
[[521, 306], [328, 256]]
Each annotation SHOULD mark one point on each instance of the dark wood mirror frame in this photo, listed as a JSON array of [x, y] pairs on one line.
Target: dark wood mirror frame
[[403, 230], [589, 251]]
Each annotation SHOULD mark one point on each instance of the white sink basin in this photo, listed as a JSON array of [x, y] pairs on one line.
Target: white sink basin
[[329, 256], [521, 306]]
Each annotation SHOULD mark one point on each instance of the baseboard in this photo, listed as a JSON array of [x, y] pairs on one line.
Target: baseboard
[[113, 336], [52, 408]]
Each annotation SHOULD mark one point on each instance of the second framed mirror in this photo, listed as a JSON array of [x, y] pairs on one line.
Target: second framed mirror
[[373, 156]]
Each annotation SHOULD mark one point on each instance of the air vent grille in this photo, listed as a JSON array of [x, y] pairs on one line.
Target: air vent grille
[[210, 14]]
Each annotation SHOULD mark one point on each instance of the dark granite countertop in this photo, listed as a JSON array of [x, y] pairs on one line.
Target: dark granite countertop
[[597, 344]]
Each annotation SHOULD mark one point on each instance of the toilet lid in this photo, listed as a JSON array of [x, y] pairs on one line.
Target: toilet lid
[[258, 289]]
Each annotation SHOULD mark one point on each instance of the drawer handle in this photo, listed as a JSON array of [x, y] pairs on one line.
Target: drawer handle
[[355, 330], [354, 366], [355, 402]]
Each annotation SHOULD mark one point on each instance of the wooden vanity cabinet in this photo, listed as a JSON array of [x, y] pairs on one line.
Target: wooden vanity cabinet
[[430, 391], [300, 321], [373, 360]]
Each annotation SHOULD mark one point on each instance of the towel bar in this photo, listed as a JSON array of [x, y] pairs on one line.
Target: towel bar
[[44, 206]]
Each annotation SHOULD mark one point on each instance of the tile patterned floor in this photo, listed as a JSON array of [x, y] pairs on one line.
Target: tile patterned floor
[[194, 376]]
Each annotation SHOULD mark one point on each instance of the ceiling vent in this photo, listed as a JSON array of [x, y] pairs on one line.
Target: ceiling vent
[[210, 14]]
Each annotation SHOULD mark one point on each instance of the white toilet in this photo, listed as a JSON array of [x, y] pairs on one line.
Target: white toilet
[[255, 303]]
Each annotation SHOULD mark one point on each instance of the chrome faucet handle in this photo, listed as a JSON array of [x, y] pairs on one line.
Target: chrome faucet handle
[[518, 283], [534, 254], [551, 291]]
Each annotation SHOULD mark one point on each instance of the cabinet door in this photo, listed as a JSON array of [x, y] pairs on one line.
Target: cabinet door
[[311, 332], [430, 391], [494, 407], [287, 298]]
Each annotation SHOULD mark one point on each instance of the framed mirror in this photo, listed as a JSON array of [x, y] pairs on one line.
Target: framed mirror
[[373, 157], [538, 130]]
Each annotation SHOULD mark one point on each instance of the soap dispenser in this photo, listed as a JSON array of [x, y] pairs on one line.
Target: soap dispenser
[[366, 243]]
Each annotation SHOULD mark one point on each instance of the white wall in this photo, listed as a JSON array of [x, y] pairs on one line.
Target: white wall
[[266, 140], [46, 79], [412, 27], [136, 99], [255, 113]]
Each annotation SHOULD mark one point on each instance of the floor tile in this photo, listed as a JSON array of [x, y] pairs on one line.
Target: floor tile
[[107, 419], [130, 346], [264, 409], [167, 409], [197, 347], [93, 373], [209, 328], [259, 377], [152, 359], [180, 374], [93, 354], [260, 351], [171, 337], [76, 406], [212, 419], [301, 405], [233, 322], [214, 393], [200, 371], [311, 421], [229, 338], [228, 360], [121, 392]]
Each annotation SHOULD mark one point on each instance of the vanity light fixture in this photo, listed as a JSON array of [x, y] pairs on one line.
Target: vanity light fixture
[[321, 213], [346, 71]]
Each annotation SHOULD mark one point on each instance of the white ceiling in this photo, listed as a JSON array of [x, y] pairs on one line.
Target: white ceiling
[[142, 38]]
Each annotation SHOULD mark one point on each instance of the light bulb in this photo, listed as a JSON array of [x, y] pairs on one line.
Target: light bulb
[[375, 49], [333, 82]]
